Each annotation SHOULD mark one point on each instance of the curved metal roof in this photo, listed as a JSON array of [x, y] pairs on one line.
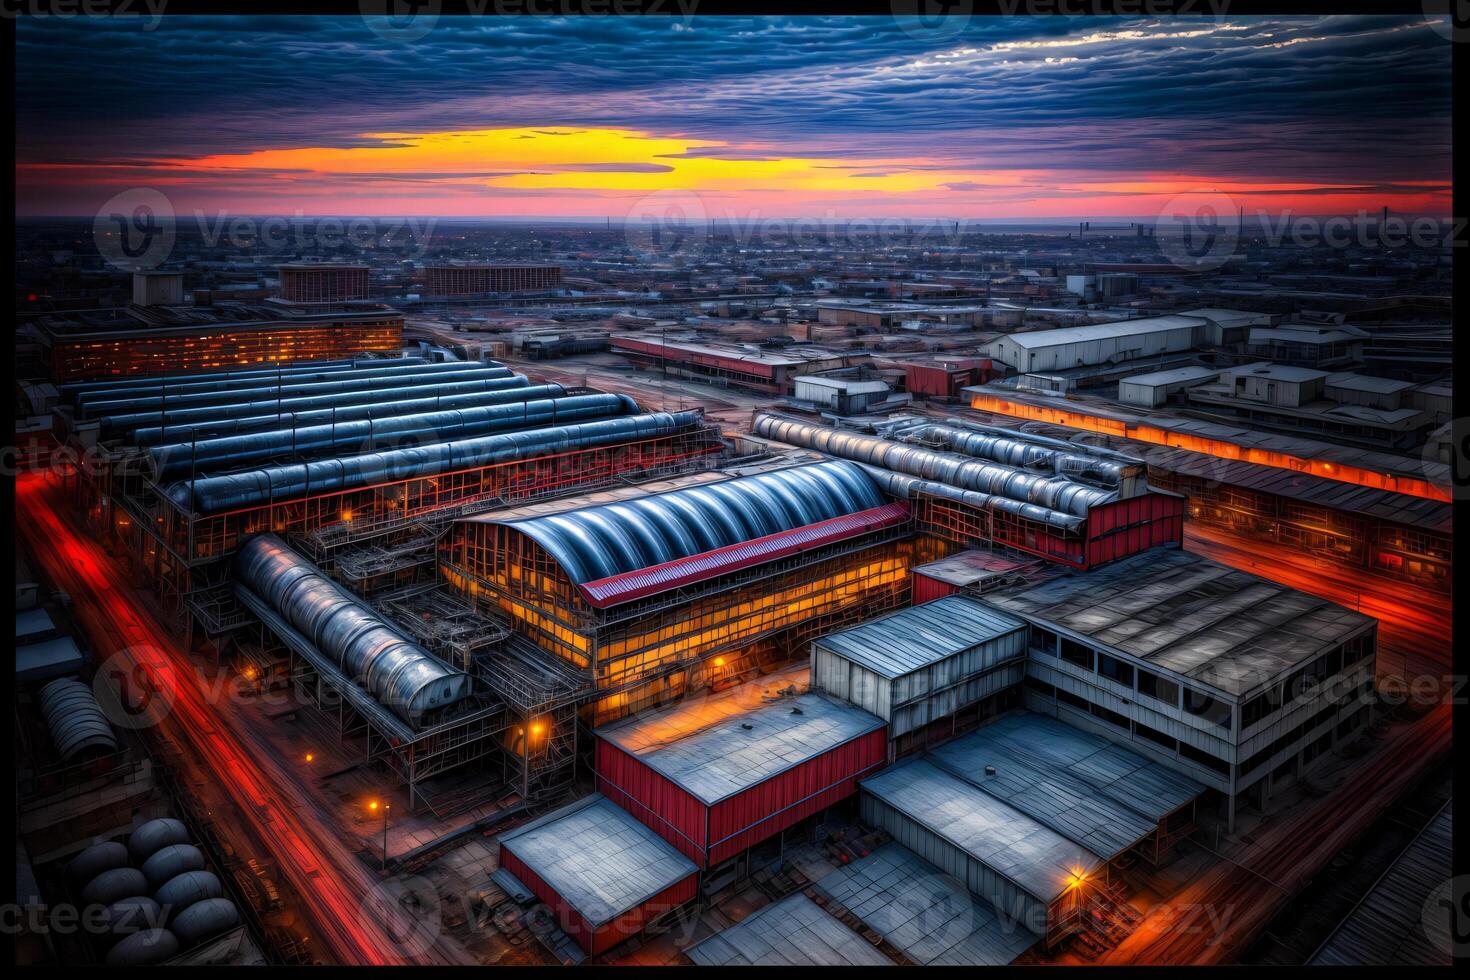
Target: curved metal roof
[[75, 718], [600, 542]]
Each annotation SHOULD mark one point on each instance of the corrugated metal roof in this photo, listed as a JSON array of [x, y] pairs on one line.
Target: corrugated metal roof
[[1062, 336], [1387, 926], [1382, 505], [592, 543], [704, 747], [1038, 859], [1081, 785], [628, 586], [597, 857], [791, 932], [1194, 617], [929, 915], [910, 639]]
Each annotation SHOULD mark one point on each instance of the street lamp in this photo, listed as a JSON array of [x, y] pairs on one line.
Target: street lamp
[[374, 805]]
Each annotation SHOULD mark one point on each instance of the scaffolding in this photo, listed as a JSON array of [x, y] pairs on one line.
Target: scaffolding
[[443, 624]]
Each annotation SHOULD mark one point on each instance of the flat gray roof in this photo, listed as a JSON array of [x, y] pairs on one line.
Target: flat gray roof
[[32, 622], [597, 857], [1366, 382], [969, 567], [902, 642], [791, 932], [1081, 785], [1038, 859], [704, 747], [929, 915], [1191, 373], [49, 658], [1191, 616]]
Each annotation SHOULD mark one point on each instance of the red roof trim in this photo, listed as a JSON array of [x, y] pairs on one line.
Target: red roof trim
[[617, 589]]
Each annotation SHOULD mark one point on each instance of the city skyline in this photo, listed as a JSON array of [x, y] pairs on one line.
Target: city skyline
[[737, 119]]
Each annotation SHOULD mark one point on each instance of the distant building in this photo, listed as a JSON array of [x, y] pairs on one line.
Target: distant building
[[452, 279], [158, 288], [323, 283]]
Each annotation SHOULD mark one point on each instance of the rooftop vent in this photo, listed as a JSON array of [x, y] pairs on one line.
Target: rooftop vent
[[990, 770]]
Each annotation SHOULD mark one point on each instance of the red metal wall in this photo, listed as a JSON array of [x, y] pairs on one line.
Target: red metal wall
[[789, 797], [1126, 527], [653, 799], [599, 939], [709, 835], [928, 589]]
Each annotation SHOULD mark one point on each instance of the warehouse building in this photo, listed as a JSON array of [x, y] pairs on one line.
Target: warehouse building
[[927, 915], [1018, 866], [714, 776], [1234, 680], [603, 874], [1091, 790], [925, 669], [1099, 343]]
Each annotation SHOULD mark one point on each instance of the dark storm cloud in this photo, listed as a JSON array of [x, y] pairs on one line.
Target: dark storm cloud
[[1337, 98]]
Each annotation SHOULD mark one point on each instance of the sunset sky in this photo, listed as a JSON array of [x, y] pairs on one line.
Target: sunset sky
[[736, 118]]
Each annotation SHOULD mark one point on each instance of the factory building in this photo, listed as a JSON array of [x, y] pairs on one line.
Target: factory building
[[313, 283], [604, 875], [769, 370], [928, 665], [1373, 510], [336, 479], [473, 279], [994, 486], [1232, 679], [157, 340], [716, 775], [643, 591]]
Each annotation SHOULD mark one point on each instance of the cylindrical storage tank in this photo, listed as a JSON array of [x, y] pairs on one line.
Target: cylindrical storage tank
[[172, 861], [129, 915], [204, 919], [96, 859], [155, 835], [144, 948], [75, 719], [179, 893], [110, 886]]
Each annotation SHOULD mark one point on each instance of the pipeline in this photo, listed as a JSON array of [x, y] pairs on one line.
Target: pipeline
[[171, 387], [376, 434], [293, 481], [401, 675], [112, 426], [1011, 450], [994, 479], [158, 435]]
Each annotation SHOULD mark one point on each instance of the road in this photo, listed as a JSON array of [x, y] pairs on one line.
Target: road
[[274, 809], [1414, 624]]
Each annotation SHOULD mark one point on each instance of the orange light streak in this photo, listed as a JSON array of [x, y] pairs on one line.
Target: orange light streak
[[1217, 448]]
